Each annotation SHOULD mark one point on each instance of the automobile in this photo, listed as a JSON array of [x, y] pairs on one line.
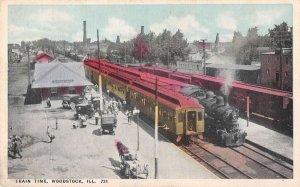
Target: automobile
[[84, 109], [71, 100], [108, 123]]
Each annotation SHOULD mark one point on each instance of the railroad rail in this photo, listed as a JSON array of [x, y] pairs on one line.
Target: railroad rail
[[218, 165], [272, 163], [244, 162]]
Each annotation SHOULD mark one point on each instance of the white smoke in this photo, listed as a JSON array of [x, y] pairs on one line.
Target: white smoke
[[227, 73]]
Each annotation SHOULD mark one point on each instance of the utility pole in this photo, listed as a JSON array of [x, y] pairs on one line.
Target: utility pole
[[141, 52], [28, 65], [156, 130], [248, 109], [125, 53], [168, 53], [204, 65], [65, 48], [100, 79]]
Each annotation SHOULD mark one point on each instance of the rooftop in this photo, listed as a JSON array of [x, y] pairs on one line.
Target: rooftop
[[58, 74], [234, 67]]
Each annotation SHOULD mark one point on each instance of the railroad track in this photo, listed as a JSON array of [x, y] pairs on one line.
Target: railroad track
[[244, 162], [217, 165], [272, 163]]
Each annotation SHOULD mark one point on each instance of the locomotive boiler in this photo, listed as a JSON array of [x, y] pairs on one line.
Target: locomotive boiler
[[221, 120]]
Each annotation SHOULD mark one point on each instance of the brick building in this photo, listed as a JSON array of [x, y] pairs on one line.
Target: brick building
[[277, 69]]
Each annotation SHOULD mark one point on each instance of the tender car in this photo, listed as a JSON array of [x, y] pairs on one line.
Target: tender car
[[71, 100]]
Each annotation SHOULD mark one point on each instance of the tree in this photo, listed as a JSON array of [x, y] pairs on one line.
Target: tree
[[140, 49], [281, 36], [164, 42], [153, 47], [245, 48], [178, 46], [237, 42]]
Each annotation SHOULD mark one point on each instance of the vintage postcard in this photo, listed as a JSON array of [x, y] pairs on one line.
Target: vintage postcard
[[142, 93]]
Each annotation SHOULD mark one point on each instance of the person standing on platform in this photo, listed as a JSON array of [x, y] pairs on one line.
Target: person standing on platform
[[96, 115], [129, 116], [50, 135], [48, 102]]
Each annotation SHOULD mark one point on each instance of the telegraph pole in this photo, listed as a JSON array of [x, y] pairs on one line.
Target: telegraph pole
[[168, 52], [28, 65], [156, 130], [248, 109], [141, 61], [100, 79], [125, 52], [65, 48], [204, 65]]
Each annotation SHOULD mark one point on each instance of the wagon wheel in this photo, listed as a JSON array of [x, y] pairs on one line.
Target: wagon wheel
[[72, 105]]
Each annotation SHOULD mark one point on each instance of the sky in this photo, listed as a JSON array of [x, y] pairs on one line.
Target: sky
[[195, 21]]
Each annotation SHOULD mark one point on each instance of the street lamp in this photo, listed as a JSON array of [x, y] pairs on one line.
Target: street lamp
[[136, 113]]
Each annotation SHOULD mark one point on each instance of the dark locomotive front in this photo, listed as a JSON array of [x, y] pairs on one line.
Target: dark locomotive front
[[221, 120]]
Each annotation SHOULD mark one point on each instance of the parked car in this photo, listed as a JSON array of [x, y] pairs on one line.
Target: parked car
[[108, 123], [84, 109], [71, 100]]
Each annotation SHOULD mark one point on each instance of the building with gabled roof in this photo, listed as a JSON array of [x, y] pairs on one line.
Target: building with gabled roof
[[56, 79], [42, 57]]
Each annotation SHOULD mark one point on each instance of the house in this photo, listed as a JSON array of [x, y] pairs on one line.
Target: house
[[42, 57], [56, 79], [277, 69], [194, 53], [189, 66]]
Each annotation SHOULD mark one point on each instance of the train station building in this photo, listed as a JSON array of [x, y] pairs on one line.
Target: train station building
[[56, 79]]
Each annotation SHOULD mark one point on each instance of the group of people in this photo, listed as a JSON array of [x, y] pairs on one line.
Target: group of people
[[113, 106], [132, 114], [14, 146]]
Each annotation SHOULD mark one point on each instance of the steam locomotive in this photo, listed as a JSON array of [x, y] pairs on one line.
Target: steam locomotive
[[221, 120]]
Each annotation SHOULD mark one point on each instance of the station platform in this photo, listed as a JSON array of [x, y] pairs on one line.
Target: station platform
[[173, 163], [275, 142]]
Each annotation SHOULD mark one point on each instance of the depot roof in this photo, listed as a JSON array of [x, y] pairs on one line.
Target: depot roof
[[58, 74]]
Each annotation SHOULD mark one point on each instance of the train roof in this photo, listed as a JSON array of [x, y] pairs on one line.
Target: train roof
[[148, 88], [235, 84], [244, 86], [174, 99], [189, 90]]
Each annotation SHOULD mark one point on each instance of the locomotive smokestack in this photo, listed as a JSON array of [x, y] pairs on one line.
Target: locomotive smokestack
[[226, 100]]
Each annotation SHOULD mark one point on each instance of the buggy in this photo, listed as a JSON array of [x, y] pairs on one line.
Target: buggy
[[130, 166]]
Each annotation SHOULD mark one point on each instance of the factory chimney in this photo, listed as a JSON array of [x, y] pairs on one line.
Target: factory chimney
[[142, 29], [84, 34]]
